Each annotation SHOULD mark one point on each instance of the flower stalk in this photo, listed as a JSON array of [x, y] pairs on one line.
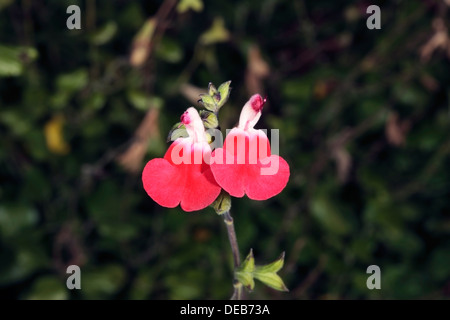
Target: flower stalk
[[228, 219]]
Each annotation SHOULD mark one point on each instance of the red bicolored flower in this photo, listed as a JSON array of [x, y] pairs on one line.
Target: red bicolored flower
[[245, 164], [183, 175]]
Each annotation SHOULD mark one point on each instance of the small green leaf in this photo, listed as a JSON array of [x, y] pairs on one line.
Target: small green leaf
[[224, 90], [271, 279], [208, 102], [223, 203], [272, 267], [209, 119]]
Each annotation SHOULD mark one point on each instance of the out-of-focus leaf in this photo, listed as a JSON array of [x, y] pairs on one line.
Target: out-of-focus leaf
[[216, 34], [194, 5], [16, 218], [16, 123], [143, 285], [169, 50], [96, 101], [73, 81], [102, 282], [105, 33], [329, 216], [27, 257], [13, 59], [138, 99], [5, 3], [186, 285], [48, 288]]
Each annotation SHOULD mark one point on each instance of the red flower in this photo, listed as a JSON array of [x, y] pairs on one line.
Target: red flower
[[182, 176], [245, 165]]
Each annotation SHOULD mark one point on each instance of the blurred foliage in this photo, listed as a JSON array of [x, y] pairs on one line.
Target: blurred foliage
[[364, 120]]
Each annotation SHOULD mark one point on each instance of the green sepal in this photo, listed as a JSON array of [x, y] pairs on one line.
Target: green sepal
[[222, 203], [267, 274], [215, 98], [208, 102], [211, 89], [249, 263], [209, 119], [272, 267], [244, 274], [271, 279], [178, 131]]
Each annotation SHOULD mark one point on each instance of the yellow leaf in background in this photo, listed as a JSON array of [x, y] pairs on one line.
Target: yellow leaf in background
[[217, 33], [54, 135], [185, 5]]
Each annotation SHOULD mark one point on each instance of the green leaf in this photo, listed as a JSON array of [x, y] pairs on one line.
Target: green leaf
[[209, 119], [271, 279]]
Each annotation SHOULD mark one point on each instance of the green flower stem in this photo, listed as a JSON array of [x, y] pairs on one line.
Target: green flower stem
[[237, 295]]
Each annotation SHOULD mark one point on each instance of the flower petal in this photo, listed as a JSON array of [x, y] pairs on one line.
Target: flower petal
[[163, 183], [262, 187], [201, 190], [182, 177], [245, 166]]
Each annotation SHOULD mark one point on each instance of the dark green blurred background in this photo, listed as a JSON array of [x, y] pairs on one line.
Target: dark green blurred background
[[364, 121]]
